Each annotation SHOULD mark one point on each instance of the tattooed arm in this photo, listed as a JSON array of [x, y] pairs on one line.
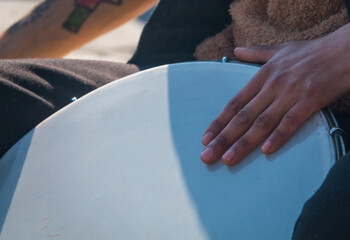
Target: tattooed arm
[[56, 27]]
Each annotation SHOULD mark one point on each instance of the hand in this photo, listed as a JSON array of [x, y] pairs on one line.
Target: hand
[[298, 79]]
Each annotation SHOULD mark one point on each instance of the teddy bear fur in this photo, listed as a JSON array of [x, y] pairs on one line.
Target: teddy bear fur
[[267, 22]]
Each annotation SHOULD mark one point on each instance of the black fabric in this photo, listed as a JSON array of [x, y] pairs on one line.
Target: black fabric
[[175, 29], [347, 2], [33, 89], [344, 124], [326, 216]]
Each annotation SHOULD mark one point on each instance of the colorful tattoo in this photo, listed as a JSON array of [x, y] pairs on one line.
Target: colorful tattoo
[[83, 9]]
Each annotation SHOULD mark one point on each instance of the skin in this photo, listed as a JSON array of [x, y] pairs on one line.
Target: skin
[[297, 80], [42, 32]]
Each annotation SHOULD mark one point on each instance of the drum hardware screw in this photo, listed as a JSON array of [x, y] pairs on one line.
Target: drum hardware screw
[[334, 131], [74, 99], [224, 59]]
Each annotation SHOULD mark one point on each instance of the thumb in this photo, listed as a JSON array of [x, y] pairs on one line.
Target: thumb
[[258, 54]]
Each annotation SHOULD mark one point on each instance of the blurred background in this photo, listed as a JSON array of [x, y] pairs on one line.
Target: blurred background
[[117, 45]]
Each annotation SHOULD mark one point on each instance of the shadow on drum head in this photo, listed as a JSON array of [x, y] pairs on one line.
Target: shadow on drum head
[[298, 139], [257, 199], [234, 169], [195, 99], [246, 162], [10, 172]]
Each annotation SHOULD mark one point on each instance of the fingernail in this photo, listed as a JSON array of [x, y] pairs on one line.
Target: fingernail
[[266, 148], [239, 49], [207, 138], [229, 156], [207, 154]]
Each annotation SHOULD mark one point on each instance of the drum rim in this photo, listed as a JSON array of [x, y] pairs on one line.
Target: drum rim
[[337, 137]]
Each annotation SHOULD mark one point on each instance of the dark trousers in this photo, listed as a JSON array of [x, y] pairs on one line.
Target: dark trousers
[[326, 215], [31, 90]]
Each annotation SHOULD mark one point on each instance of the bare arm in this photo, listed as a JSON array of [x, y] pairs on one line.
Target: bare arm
[[56, 27]]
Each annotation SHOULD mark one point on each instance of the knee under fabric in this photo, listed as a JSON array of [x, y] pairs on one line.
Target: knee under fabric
[[326, 215], [33, 89]]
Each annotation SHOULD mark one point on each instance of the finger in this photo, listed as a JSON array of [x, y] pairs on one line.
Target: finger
[[257, 54], [262, 127], [234, 106], [229, 111], [239, 124], [290, 123]]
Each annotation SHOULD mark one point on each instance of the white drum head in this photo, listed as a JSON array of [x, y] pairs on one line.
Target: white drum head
[[123, 163]]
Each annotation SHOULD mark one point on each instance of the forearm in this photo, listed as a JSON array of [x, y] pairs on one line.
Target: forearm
[[56, 27]]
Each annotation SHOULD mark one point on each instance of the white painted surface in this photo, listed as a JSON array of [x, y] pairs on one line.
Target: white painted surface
[[123, 163]]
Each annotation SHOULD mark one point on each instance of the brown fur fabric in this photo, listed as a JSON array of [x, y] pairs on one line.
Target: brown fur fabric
[[267, 22]]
